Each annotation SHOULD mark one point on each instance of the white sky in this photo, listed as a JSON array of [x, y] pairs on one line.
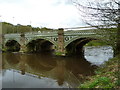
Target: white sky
[[41, 13]]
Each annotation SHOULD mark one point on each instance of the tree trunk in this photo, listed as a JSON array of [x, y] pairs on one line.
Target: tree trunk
[[118, 41], [118, 33]]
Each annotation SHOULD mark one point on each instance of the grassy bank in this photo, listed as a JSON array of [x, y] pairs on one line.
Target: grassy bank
[[96, 43], [106, 76]]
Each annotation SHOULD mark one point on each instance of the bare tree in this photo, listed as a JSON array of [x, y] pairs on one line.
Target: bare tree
[[105, 16]]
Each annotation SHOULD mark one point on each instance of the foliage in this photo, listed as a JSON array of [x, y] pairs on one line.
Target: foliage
[[105, 16], [59, 53], [96, 43], [106, 76], [99, 82], [10, 28]]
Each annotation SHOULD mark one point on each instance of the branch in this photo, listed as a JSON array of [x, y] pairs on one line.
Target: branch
[[116, 2], [92, 7]]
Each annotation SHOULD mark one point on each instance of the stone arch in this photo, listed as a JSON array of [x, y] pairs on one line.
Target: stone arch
[[10, 39], [39, 45], [12, 45], [75, 47], [75, 38], [47, 39]]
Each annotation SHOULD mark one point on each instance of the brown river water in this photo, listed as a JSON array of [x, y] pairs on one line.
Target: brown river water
[[49, 71]]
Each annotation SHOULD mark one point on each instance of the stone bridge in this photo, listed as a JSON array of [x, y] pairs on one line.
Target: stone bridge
[[69, 42]]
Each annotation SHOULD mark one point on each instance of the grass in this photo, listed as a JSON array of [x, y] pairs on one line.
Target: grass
[[59, 53], [106, 76], [96, 43]]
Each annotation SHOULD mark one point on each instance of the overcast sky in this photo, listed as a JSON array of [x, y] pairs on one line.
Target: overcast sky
[[41, 13]]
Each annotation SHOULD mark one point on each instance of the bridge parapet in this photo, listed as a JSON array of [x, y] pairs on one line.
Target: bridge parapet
[[41, 34], [12, 35], [80, 32]]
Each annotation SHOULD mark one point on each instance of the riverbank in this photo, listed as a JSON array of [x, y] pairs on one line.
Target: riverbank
[[96, 43], [106, 76]]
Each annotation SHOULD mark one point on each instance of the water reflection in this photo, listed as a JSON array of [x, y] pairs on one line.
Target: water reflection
[[99, 54], [66, 71]]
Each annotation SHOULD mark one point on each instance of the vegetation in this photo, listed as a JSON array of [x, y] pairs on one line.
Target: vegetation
[[107, 76], [103, 15], [59, 53], [10, 28], [96, 43]]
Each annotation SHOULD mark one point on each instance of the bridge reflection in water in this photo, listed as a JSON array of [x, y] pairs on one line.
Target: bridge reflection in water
[[63, 71]]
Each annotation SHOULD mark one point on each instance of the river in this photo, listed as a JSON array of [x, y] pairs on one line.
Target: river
[[49, 71]]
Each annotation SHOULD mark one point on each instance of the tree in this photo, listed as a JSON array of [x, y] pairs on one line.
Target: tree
[[105, 16], [7, 28]]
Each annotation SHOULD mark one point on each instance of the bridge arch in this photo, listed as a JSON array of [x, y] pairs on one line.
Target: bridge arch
[[12, 45], [10, 39], [78, 37], [39, 45], [75, 46], [47, 39]]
